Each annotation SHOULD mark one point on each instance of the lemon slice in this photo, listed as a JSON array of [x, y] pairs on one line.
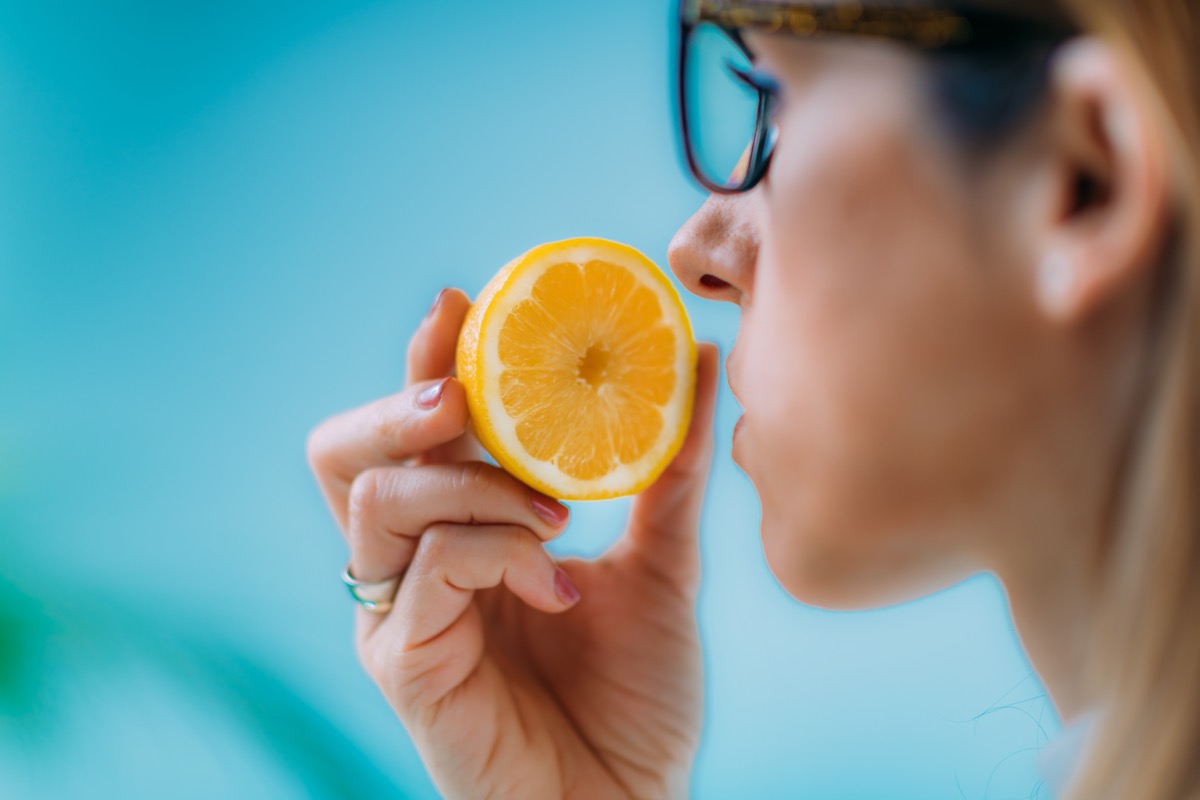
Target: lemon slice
[[579, 369]]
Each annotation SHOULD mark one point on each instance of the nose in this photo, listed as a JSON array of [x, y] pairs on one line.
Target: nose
[[713, 254]]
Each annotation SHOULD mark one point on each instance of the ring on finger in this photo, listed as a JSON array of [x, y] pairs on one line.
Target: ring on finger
[[375, 597]]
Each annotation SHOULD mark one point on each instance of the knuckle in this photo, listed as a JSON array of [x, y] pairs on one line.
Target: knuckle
[[388, 425], [364, 501], [475, 477], [408, 676], [395, 669], [317, 449], [410, 487], [437, 545]]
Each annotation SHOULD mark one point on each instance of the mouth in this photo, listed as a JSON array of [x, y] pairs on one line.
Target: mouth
[[732, 367], [732, 375], [738, 444]]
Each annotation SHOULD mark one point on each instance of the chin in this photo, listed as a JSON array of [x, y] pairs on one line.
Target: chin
[[833, 570]]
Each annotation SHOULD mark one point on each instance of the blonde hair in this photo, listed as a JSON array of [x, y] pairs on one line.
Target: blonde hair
[[1144, 669]]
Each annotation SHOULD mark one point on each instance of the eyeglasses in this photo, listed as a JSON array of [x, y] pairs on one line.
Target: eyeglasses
[[724, 105]]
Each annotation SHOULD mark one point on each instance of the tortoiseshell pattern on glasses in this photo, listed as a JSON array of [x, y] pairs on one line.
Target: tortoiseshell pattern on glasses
[[928, 27], [924, 27]]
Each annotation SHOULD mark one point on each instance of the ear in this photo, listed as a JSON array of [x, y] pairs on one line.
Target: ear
[[1109, 187]]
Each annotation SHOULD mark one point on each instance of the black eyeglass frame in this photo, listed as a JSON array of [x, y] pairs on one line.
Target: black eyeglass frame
[[932, 29]]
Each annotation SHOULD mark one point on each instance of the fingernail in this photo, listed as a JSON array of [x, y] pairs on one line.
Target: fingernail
[[431, 395], [437, 302], [550, 510], [565, 588]]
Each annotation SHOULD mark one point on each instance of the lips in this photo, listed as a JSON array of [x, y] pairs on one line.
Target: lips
[[732, 374], [738, 444]]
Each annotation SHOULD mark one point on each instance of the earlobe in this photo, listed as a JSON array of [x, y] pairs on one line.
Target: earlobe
[[1111, 222], [1056, 285]]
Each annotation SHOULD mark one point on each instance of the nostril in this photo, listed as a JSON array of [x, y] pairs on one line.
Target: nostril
[[712, 282]]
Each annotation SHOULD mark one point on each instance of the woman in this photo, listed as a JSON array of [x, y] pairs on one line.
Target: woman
[[964, 247]]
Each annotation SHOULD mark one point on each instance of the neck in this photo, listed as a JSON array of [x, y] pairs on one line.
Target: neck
[[1048, 561], [1053, 611], [1051, 563]]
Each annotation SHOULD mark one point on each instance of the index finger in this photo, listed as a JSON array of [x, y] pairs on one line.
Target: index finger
[[387, 431]]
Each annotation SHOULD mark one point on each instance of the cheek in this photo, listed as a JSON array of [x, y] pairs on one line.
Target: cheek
[[872, 340]]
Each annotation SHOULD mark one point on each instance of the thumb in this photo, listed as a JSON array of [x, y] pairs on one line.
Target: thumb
[[664, 521]]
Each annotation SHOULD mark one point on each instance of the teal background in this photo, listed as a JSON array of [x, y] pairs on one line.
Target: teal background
[[219, 222]]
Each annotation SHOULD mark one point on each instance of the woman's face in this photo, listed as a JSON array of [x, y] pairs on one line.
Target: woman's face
[[886, 321]]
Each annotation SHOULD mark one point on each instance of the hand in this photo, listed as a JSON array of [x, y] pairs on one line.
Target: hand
[[579, 679]]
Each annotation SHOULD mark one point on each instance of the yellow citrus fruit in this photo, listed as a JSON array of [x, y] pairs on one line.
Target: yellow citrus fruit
[[579, 369]]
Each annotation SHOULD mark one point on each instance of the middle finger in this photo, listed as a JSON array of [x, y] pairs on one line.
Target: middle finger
[[390, 507]]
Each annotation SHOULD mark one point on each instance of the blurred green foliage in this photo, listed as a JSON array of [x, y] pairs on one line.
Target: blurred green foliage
[[46, 641]]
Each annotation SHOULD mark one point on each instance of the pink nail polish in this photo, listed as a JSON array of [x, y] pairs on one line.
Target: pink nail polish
[[565, 588], [431, 395], [550, 510]]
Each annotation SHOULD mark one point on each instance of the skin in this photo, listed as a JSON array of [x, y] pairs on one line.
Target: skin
[[925, 399]]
